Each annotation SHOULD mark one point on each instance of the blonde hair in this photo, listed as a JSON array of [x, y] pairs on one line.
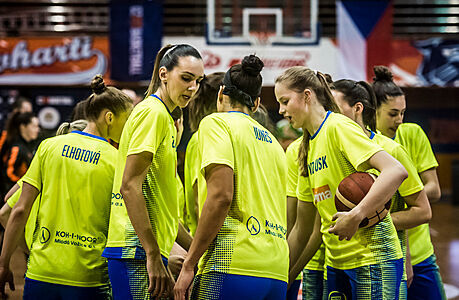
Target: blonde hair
[[67, 127], [298, 79]]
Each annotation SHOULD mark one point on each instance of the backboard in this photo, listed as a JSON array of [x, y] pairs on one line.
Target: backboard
[[262, 22]]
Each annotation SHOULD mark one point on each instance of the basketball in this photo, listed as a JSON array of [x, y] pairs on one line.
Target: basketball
[[352, 189]]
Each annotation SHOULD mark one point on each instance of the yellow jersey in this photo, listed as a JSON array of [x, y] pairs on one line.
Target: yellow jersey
[[74, 174], [150, 128], [255, 228]]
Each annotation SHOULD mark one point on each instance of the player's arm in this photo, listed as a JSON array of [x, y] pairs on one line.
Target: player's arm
[[292, 204], [219, 180], [309, 251], [417, 212], [431, 185], [135, 171], [183, 237], [14, 232], [11, 192], [301, 231], [392, 175]]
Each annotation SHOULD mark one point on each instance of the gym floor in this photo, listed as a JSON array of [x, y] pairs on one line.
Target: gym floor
[[445, 236]]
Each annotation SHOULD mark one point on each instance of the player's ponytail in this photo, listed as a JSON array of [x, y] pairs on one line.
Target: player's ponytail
[[168, 57], [68, 127], [104, 97], [384, 86], [299, 79]]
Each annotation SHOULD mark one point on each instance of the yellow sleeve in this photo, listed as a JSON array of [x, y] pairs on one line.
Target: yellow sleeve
[[214, 143], [413, 183], [292, 168], [148, 131], [34, 174], [424, 158], [350, 139], [303, 191]]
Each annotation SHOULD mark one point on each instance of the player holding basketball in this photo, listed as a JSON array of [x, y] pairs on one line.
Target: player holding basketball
[[144, 212], [73, 174], [391, 106], [368, 263], [358, 102], [241, 232]]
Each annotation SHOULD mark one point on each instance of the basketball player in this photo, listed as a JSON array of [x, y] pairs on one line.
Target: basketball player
[[13, 195], [241, 233], [144, 212], [73, 174], [410, 206], [333, 147], [391, 106]]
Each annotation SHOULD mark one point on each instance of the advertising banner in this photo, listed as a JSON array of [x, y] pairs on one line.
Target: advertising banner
[[135, 38], [52, 61]]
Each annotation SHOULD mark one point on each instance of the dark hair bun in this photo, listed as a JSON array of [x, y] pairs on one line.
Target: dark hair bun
[[98, 85], [382, 73], [252, 65]]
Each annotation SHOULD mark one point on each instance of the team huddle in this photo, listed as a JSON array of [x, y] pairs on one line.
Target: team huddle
[[255, 221]]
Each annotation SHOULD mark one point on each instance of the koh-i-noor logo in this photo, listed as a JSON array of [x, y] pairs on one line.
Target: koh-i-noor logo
[[59, 63], [253, 226], [44, 235]]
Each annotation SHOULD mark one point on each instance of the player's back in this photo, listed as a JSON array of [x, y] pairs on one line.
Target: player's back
[[256, 224], [75, 176]]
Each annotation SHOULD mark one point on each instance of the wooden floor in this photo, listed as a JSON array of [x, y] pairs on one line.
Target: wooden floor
[[445, 236]]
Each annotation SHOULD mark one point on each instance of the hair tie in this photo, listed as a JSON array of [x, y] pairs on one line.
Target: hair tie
[[235, 93]]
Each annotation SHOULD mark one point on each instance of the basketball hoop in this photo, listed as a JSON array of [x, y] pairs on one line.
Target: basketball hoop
[[261, 38]]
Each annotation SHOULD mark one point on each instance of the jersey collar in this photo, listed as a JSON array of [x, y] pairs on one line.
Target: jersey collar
[[90, 135], [320, 127]]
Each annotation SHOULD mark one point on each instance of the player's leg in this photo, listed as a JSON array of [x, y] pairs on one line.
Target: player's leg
[[338, 284], [313, 284], [378, 281]]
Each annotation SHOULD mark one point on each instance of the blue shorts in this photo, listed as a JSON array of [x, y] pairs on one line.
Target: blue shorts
[[380, 281], [314, 285], [35, 289], [292, 292], [217, 285], [427, 282], [129, 278]]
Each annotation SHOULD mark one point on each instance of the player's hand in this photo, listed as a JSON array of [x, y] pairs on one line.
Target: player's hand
[[183, 283], [161, 282], [6, 276], [346, 225]]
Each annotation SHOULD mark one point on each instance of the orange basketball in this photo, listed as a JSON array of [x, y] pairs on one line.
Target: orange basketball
[[352, 189]]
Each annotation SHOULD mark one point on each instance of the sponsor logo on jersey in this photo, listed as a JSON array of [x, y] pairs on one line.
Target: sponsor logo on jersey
[[317, 165], [321, 193], [253, 226], [44, 235]]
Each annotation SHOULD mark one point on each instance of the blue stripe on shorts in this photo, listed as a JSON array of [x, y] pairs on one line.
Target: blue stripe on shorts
[[222, 286], [379, 281], [36, 289], [427, 283], [129, 278]]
